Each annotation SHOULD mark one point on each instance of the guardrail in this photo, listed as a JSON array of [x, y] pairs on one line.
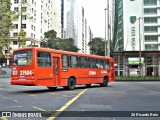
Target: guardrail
[[138, 78]]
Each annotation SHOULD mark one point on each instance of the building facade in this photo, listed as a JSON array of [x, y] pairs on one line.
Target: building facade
[[136, 28], [75, 25], [35, 18]]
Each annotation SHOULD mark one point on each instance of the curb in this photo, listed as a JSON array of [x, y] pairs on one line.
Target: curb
[[137, 81]]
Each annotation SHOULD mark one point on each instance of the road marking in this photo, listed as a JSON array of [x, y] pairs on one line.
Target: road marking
[[33, 95], [53, 93], [10, 99], [4, 118], [67, 96], [39, 108], [58, 112], [14, 107]]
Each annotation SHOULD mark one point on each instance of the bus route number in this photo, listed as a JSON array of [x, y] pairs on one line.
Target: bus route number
[[26, 72]]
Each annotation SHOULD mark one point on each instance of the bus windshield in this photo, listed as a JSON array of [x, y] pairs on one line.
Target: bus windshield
[[23, 57]]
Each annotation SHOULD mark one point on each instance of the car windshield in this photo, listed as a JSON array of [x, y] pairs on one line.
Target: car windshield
[[23, 57]]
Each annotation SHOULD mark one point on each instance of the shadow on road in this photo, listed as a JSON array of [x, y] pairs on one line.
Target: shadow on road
[[59, 89]]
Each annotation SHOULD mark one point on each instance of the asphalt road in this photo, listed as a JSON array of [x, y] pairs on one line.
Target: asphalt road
[[137, 99]]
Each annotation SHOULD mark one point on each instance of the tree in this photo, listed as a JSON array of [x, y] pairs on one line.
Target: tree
[[67, 45], [5, 25], [22, 34], [97, 46], [51, 41]]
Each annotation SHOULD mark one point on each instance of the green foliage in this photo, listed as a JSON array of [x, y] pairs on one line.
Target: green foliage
[[22, 34], [51, 34], [5, 25], [51, 41], [97, 46]]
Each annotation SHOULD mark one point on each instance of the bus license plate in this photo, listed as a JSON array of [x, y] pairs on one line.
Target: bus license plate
[[22, 77]]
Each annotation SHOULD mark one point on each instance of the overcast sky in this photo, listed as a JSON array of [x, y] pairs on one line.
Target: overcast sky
[[94, 10]]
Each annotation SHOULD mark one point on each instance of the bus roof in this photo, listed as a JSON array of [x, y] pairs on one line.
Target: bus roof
[[61, 52]]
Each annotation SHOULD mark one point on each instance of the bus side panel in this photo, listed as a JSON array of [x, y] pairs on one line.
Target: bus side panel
[[100, 73], [83, 76], [44, 76]]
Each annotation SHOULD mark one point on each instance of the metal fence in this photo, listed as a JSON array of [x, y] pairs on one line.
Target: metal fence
[[129, 67], [5, 72]]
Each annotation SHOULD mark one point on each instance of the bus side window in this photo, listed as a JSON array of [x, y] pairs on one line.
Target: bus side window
[[83, 62], [106, 64], [65, 61], [74, 61], [44, 59], [99, 63], [91, 63]]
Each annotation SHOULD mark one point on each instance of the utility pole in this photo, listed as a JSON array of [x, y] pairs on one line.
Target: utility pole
[[140, 66], [108, 42], [105, 34]]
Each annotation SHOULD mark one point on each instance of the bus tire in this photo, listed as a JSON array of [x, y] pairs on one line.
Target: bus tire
[[52, 88], [105, 82], [71, 84]]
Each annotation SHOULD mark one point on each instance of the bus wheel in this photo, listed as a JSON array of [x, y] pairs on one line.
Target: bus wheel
[[52, 88], [88, 85], [71, 84], [105, 82]]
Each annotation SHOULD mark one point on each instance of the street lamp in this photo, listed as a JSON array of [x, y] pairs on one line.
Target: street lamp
[[105, 31], [140, 45], [107, 47]]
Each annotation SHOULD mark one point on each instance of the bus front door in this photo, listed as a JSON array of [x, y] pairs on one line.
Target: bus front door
[[55, 70]]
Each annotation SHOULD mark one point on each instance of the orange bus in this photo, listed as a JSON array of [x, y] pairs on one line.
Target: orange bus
[[33, 66]]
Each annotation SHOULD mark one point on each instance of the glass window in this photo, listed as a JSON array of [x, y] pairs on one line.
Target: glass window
[[15, 42], [23, 25], [24, 1], [15, 9], [44, 59], [16, 26], [74, 61], [150, 29], [150, 11], [16, 1], [91, 62], [150, 20], [99, 63], [150, 2], [65, 61], [24, 9], [23, 57], [106, 64], [15, 34], [151, 47], [151, 38], [24, 17], [83, 62]]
